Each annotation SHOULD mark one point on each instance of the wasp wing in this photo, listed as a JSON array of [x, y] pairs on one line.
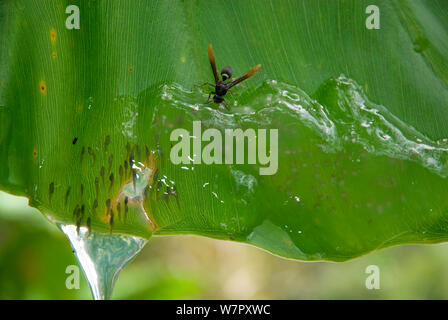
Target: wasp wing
[[211, 58], [248, 74]]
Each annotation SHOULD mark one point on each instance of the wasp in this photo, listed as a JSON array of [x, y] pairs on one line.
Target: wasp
[[222, 86]]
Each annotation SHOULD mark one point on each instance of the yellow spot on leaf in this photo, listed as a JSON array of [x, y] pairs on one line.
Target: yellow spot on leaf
[[54, 55], [182, 59], [43, 87], [34, 155], [53, 36], [79, 109], [131, 69]]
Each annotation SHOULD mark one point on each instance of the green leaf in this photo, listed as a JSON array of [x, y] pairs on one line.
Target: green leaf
[[361, 117]]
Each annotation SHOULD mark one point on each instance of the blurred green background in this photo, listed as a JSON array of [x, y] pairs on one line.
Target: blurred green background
[[34, 255]]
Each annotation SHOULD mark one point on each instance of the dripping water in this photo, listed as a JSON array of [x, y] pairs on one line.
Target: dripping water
[[102, 256]]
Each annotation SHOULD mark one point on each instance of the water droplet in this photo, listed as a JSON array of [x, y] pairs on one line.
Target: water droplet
[[89, 103]]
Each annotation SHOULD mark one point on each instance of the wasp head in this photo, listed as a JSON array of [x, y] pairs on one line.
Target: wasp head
[[226, 73]]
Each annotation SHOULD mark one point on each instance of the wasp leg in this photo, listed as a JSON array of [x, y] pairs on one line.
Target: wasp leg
[[208, 99], [226, 105], [205, 83]]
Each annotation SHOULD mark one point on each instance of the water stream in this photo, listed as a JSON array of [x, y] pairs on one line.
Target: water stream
[[102, 256]]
